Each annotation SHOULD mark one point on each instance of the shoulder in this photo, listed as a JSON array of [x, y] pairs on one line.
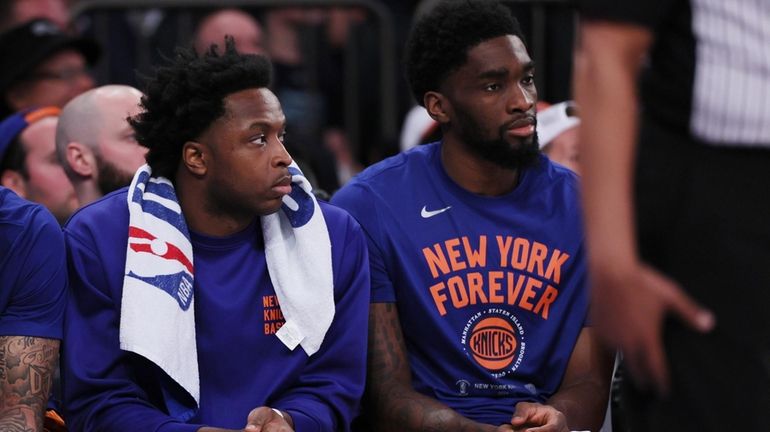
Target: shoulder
[[387, 177], [21, 219], [101, 217], [338, 221], [552, 176]]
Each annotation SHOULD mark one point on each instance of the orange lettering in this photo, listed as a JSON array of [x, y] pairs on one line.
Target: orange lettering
[[495, 287], [436, 261], [549, 296], [476, 291], [520, 253], [539, 252], [504, 248], [454, 254], [457, 292], [529, 292], [438, 297], [554, 265], [513, 292], [477, 257]]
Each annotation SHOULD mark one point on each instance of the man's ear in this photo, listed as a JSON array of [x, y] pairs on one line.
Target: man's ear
[[81, 159], [194, 157], [438, 106], [14, 181]]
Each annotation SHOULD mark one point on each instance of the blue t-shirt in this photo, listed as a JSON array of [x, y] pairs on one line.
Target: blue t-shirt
[[32, 269], [242, 363], [491, 291]]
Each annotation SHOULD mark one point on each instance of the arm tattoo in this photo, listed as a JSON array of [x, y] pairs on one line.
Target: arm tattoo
[[26, 372], [397, 407]]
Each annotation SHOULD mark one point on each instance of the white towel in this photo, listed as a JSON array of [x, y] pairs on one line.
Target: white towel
[[157, 310]]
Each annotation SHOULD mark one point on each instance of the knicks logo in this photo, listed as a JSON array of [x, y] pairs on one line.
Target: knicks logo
[[493, 343], [495, 340]]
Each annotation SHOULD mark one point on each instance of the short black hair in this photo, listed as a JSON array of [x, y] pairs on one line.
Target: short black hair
[[439, 42], [186, 96]]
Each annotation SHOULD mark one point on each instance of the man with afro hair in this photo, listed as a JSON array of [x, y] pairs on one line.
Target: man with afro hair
[[200, 221], [479, 291]]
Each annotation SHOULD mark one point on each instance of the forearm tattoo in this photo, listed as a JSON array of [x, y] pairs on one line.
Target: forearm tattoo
[[398, 407], [26, 373]]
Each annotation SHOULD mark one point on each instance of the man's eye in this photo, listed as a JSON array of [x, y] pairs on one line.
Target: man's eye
[[259, 139], [282, 137], [528, 80], [492, 87]]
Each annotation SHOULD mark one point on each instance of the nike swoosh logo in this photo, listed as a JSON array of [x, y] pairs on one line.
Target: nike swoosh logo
[[425, 213]]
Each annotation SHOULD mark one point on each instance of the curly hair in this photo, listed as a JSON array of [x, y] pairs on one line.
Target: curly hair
[[186, 96], [439, 42]]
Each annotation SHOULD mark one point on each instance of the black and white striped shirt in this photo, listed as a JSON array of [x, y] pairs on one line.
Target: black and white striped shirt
[[709, 67]]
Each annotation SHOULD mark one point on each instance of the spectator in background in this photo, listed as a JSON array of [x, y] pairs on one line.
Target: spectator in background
[[244, 29], [418, 128], [15, 12], [40, 66], [96, 145], [28, 162], [32, 300], [557, 131]]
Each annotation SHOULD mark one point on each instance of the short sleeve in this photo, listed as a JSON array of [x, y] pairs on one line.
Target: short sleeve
[[35, 272], [361, 204]]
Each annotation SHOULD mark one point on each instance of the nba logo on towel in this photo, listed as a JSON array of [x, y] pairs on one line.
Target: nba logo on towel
[[298, 206], [164, 258], [178, 285]]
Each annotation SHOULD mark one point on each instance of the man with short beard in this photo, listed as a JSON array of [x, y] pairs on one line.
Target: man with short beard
[[95, 143], [479, 291]]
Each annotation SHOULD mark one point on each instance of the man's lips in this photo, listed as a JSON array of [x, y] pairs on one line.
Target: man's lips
[[283, 185], [522, 127]]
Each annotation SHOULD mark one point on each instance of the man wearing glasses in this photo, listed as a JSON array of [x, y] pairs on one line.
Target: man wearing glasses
[[42, 66]]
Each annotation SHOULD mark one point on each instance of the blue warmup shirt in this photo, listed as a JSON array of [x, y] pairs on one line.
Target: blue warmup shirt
[[242, 363], [32, 269], [491, 291]]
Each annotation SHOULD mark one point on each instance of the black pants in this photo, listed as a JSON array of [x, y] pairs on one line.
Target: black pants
[[703, 218]]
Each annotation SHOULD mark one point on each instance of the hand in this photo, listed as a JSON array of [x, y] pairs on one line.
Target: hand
[[628, 312], [535, 417], [265, 419]]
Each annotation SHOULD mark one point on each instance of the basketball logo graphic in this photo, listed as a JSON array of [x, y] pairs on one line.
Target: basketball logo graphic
[[494, 339], [493, 343]]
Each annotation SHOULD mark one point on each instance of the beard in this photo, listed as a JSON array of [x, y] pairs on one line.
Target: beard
[[497, 150], [111, 178]]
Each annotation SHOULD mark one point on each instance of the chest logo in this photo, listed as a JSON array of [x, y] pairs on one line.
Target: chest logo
[[425, 213]]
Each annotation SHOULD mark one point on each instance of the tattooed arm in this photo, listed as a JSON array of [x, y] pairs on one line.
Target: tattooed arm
[[396, 405], [26, 373]]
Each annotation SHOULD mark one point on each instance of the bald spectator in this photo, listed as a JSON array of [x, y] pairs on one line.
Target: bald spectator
[[244, 29], [40, 65], [28, 163], [95, 143]]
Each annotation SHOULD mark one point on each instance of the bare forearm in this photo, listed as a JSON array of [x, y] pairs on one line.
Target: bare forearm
[[583, 394], [406, 410], [397, 406], [27, 367], [583, 404], [606, 69]]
